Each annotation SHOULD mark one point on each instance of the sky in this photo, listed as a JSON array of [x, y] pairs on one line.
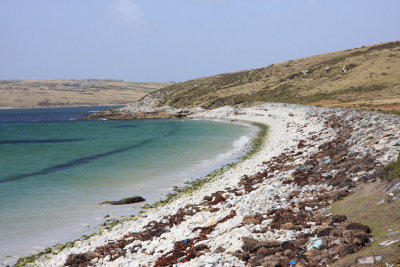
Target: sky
[[178, 40]]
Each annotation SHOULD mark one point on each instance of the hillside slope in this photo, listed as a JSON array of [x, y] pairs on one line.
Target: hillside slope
[[56, 93], [365, 78]]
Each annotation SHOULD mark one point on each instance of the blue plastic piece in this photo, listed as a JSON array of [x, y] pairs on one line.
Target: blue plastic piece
[[292, 263], [326, 162], [315, 242], [186, 241]]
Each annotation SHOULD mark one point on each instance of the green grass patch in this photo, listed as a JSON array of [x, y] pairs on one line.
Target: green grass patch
[[393, 169], [391, 112]]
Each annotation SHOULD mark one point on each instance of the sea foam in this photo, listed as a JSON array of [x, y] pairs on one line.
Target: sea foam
[[241, 142]]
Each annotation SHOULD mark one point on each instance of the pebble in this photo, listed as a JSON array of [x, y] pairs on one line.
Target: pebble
[[308, 209]]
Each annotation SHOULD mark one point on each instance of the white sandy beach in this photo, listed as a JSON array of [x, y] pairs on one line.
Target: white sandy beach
[[230, 219]]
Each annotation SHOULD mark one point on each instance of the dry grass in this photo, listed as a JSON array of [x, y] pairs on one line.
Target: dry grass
[[384, 218], [58, 93], [372, 81]]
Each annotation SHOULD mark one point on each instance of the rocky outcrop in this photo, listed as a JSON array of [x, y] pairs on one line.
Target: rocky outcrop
[[142, 112]]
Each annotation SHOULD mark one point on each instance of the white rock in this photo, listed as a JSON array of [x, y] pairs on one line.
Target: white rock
[[366, 260], [308, 209]]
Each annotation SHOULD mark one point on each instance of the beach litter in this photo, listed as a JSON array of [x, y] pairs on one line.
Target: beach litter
[[366, 260], [388, 242], [392, 233], [315, 242]]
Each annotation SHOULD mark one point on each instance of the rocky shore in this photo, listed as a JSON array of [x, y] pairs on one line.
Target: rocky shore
[[272, 209], [142, 110]]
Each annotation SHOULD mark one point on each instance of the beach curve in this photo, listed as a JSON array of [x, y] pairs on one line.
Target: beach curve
[[266, 205]]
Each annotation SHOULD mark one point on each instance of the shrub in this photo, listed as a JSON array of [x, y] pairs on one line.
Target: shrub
[[393, 169]]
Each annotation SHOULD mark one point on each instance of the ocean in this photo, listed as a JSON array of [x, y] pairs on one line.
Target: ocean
[[56, 167]]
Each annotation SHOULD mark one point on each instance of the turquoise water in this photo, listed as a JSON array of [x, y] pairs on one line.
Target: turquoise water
[[53, 174]]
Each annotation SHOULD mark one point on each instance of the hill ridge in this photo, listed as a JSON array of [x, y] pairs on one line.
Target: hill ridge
[[366, 78]]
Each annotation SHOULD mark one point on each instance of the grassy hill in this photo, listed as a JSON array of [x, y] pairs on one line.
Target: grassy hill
[[58, 93], [364, 78]]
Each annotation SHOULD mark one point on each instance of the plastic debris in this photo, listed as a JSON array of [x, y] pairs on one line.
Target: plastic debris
[[304, 167], [323, 210], [392, 233], [315, 242], [367, 260], [186, 241], [292, 263], [388, 242], [327, 161]]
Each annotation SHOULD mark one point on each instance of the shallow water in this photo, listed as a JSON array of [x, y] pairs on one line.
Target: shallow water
[[54, 171]]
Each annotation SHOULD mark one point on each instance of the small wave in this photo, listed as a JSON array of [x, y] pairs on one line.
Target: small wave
[[241, 142], [197, 170]]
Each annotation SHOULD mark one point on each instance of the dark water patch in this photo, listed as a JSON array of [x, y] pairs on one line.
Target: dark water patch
[[125, 126], [76, 162], [13, 142], [83, 160]]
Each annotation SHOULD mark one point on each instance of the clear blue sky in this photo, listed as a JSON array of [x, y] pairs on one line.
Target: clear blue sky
[[176, 40]]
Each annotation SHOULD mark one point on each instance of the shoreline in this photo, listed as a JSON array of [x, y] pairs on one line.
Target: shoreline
[[218, 223], [196, 178], [193, 172]]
